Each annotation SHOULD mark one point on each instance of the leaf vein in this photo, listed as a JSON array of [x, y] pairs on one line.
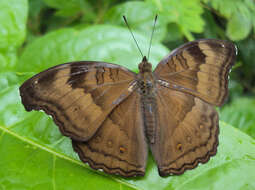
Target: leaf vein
[[59, 155]]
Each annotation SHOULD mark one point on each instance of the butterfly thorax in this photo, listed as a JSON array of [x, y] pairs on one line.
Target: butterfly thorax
[[146, 84]]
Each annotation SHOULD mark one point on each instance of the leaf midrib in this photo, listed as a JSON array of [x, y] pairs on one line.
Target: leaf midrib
[[57, 154]]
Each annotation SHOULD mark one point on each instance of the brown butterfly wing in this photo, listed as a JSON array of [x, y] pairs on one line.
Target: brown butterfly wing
[[78, 95], [200, 68], [188, 80], [187, 131], [119, 146]]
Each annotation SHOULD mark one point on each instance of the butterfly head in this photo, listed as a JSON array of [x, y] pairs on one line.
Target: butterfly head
[[145, 66]]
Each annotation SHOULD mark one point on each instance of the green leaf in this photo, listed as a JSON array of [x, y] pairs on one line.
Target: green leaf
[[13, 16], [226, 7], [239, 26], [69, 7], [212, 30], [35, 19], [174, 32], [7, 79], [241, 114], [11, 78], [185, 13], [34, 155], [142, 22], [99, 43], [235, 89], [8, 59], [240, 15], [246, 73]]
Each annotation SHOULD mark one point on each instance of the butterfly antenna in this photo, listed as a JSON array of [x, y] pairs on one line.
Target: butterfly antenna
[[155, 20], [132, 35]]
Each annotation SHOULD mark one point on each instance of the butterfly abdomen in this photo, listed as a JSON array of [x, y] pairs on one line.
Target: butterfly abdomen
[[149, 106], [149, 112]]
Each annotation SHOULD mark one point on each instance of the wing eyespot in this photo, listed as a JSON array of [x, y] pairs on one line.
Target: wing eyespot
[[179, 147], [122, 149], [109, 144]]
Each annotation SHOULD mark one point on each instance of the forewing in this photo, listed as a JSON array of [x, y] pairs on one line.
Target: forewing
[[186, 134], [78, 95], [119, 146], [199, 68]]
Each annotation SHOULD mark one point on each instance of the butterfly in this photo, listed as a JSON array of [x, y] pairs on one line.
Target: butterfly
[[114, 115]]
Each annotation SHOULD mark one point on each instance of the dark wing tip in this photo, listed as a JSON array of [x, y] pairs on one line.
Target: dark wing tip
[[25, 91]]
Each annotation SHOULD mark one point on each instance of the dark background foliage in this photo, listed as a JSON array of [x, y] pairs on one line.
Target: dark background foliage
[[37, 34]]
